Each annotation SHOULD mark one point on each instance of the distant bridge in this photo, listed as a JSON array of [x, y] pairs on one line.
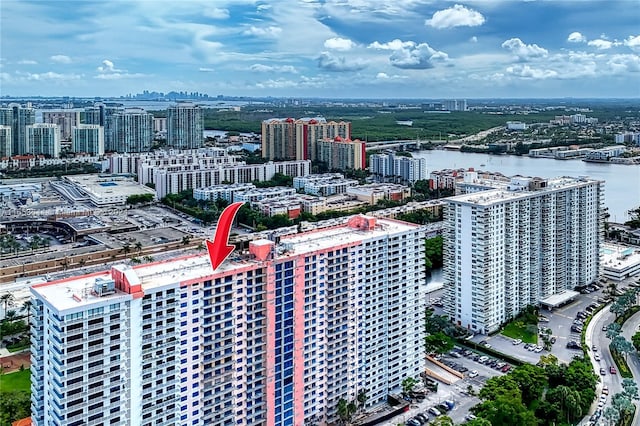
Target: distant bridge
[[406, 144]]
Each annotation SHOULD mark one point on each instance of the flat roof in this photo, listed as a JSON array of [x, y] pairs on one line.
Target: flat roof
[[558, 299], [108, 185], [76, 292], [618, 258]]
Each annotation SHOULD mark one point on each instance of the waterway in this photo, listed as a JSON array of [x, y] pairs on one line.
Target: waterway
[[622, 182]]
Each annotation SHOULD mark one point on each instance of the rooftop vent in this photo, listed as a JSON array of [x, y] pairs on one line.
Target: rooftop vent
[[103, 287]]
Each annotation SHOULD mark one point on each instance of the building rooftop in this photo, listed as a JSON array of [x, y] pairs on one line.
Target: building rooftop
[[516, 189], [77, 293], [108, 185]]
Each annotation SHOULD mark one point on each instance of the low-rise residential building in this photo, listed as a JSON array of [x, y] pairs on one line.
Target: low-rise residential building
[[324, 184], [257, 194], [372, 193], [224, 191]]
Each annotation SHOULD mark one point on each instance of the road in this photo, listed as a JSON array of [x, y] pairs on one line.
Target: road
[[631, 326]]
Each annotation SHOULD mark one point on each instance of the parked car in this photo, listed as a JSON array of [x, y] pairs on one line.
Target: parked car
[[473, 373], [573, 345], [517, 341], [506, 368], [538, 349], [434, 411]]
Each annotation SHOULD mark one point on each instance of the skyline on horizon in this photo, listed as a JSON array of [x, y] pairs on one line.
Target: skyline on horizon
[[322, 49]]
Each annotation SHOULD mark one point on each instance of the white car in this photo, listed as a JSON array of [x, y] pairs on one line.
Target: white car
[[596, 357], [473, 373], [538, 349], [517, 341]]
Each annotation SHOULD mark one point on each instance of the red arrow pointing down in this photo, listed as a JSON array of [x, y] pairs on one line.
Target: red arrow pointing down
[[220, 248]]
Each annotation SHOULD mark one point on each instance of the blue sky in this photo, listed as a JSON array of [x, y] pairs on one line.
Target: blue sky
[[322, 48]]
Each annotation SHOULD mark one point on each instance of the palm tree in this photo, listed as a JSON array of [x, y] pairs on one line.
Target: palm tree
[[362, 398], [186, 240], [126, 248], [26, 307], [138, 246], [5, 299], [11, 315]]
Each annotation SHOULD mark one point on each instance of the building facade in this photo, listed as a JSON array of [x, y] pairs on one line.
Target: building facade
[[505, 249], [342, 154], [130, 130], [398, 168], [66, 121], [18, 117], [6, 141], [185, 126], [88, 138], [290, 139], [276, 337], [43, 139]]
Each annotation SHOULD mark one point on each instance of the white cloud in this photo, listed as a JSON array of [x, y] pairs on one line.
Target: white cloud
[[328, 62], [392, 45], [473, 39], [525, 71], [216, 13], [576, 37], [524, 52], [624, 63], [602, 44], [46, 76], [61, 59], [119, 76], [108, 66], [383, 76], [411, 55], [273, 68], [337, 43], [202, 69], [271, 31], [633, 42], [27, 62], [456, 16]]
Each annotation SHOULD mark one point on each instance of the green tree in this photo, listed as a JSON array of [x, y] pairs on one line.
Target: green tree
[[442, 421], [362, 398], [438, 343], [479, 421], [186, 240], [630, 388], [14, 406], [138, 246], [346, 410], [6, 299], [531, 381], [407, 385], [621, 345], [635, 339], [506, 409], [26, 307], [433, 252], [499, 385], [613, 330]]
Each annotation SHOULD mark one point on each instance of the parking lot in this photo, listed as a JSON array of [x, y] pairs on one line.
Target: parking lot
[[559, 321], [477, 370]]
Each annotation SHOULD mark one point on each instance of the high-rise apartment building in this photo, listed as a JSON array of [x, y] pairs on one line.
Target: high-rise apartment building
[[455, 105], [6, 141], [185, 126], [66, 121], [88, 138], [288, 139], [18, 118], [342, 154], [43, 139], [275, 336], [508, 248], [131, 130], [403, 169]]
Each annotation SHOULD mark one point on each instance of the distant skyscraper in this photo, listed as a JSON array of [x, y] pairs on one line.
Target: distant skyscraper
[[66, 120], [289, 139], [508, 248], [88, 138], [185, 126], [455, 104], [43, 139], [5, 141], [18, 118], [131, 131], [100, 114]]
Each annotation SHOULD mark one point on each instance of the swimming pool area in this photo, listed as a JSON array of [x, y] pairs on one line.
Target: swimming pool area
[[625, 252]]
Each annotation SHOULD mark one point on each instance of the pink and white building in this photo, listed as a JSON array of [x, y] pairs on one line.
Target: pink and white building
[[277, 335]]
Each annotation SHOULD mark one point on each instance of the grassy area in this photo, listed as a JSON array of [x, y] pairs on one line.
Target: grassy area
[[17, 381], [19, 347], [519, 330]]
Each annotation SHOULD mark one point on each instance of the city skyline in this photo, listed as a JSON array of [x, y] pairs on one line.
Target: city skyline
[[411, 48]]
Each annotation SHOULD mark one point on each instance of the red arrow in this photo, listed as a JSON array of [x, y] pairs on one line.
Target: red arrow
[[220, 248]]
